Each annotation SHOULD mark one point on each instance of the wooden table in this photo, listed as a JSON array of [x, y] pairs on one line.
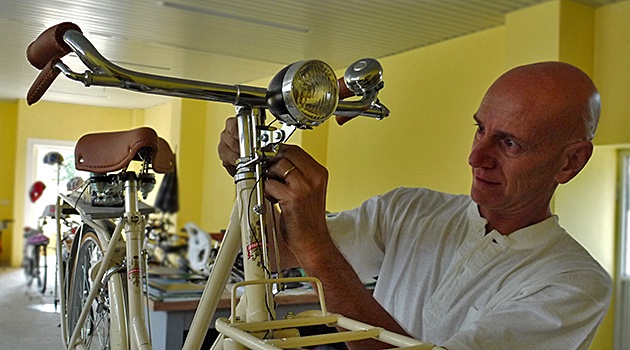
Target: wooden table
[[170, 320]]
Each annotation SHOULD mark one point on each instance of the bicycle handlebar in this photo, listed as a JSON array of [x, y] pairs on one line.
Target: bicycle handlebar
[[50, 45], [46, 51]]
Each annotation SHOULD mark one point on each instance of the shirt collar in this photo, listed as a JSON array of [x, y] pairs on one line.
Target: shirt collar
[[538, 234]]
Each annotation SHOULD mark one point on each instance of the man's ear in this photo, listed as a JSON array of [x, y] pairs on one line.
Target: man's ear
[[575, 157]]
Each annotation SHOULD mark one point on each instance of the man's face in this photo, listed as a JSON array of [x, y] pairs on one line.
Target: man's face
[[515, 156]]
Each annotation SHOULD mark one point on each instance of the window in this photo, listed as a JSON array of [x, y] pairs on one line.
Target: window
[[54, 178], [622, 311]]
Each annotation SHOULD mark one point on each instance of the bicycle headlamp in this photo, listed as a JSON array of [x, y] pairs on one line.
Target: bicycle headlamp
[[303, 94]]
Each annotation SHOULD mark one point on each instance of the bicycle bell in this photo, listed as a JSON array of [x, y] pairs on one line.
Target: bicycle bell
[[364, 75], [303, 94]]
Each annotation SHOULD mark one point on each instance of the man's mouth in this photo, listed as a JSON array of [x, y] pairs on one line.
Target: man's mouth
[[485, 181]]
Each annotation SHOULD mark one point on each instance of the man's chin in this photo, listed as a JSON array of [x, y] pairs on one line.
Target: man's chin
[[483, 198]]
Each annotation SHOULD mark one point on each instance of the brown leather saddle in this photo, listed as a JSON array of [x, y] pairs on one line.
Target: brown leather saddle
[[112, 151]]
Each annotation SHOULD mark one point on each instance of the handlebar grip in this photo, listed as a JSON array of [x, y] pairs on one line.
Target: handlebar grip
[[344, 92], [42, 82], [50, 45]]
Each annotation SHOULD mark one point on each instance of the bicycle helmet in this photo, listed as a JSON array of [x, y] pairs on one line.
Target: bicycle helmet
[[49, 211], [75, 183], [36, 191], [53, 158]]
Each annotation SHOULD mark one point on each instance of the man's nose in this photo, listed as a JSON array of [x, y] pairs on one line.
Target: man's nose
[[482, 154]]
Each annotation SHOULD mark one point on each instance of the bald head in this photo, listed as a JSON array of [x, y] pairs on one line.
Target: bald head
[[555, 92]]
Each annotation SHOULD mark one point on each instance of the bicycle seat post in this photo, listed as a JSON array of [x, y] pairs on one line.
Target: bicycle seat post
[[135, 233]]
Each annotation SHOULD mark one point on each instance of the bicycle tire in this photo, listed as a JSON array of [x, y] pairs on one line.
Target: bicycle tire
[[42, 270], [35, 270], [95, 332], [29, 266]]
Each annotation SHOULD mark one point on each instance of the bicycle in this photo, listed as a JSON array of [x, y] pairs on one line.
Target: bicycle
[[93, 288], [303, 95], [35, 257]]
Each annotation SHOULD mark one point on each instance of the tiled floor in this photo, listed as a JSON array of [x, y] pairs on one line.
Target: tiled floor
[[27, 318]]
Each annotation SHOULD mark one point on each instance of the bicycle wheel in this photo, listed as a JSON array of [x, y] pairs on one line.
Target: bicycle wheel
[[29, 265], [36, 258], [42, 267], [95, 330]]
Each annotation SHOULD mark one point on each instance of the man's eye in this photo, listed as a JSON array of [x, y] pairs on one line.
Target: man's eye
[[510, 144], [479, 128]]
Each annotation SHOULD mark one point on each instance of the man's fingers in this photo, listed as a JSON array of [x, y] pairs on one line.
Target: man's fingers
[[229, 146]]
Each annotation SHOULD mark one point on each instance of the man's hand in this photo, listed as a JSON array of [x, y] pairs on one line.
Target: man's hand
[[228, 148], [298, 184]]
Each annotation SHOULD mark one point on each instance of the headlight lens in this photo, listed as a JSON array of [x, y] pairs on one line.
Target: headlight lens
[[304, 93]]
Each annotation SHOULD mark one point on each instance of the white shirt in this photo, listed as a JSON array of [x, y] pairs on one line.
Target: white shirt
[[449, 283]]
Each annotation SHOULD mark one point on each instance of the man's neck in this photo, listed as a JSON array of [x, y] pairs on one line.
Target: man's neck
[[505, 224]]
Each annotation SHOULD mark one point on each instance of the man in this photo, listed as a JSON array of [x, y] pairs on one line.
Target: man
[[485, 271]]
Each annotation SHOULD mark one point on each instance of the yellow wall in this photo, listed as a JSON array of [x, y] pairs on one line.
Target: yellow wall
[[164, 119], [190, 166], [580, 201], [532, 34], [8, 128], [218, 186], [612, 72]]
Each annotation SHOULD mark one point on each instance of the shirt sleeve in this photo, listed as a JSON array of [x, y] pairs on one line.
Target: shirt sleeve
[[363, 234], [357, 235]]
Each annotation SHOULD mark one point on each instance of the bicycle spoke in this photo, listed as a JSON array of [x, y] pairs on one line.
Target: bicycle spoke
[[95, 331], [99, 327]]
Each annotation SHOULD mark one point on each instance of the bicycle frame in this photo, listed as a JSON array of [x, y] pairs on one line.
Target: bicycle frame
[[254, 317], [116, 250]]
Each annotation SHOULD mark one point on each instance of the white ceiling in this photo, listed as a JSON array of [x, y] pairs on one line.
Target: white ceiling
[[231, 41]]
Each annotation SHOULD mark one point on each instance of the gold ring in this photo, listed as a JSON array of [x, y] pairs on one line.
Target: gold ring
[[286, 173]]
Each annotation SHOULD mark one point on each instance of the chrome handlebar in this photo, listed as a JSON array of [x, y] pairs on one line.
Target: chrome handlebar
[[363, 78]]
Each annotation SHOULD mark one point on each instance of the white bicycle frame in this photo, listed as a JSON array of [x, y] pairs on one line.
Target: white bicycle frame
[[128, 326], [253, 321]]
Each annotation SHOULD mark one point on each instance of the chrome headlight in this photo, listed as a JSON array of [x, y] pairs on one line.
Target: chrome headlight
[[304, 94]]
